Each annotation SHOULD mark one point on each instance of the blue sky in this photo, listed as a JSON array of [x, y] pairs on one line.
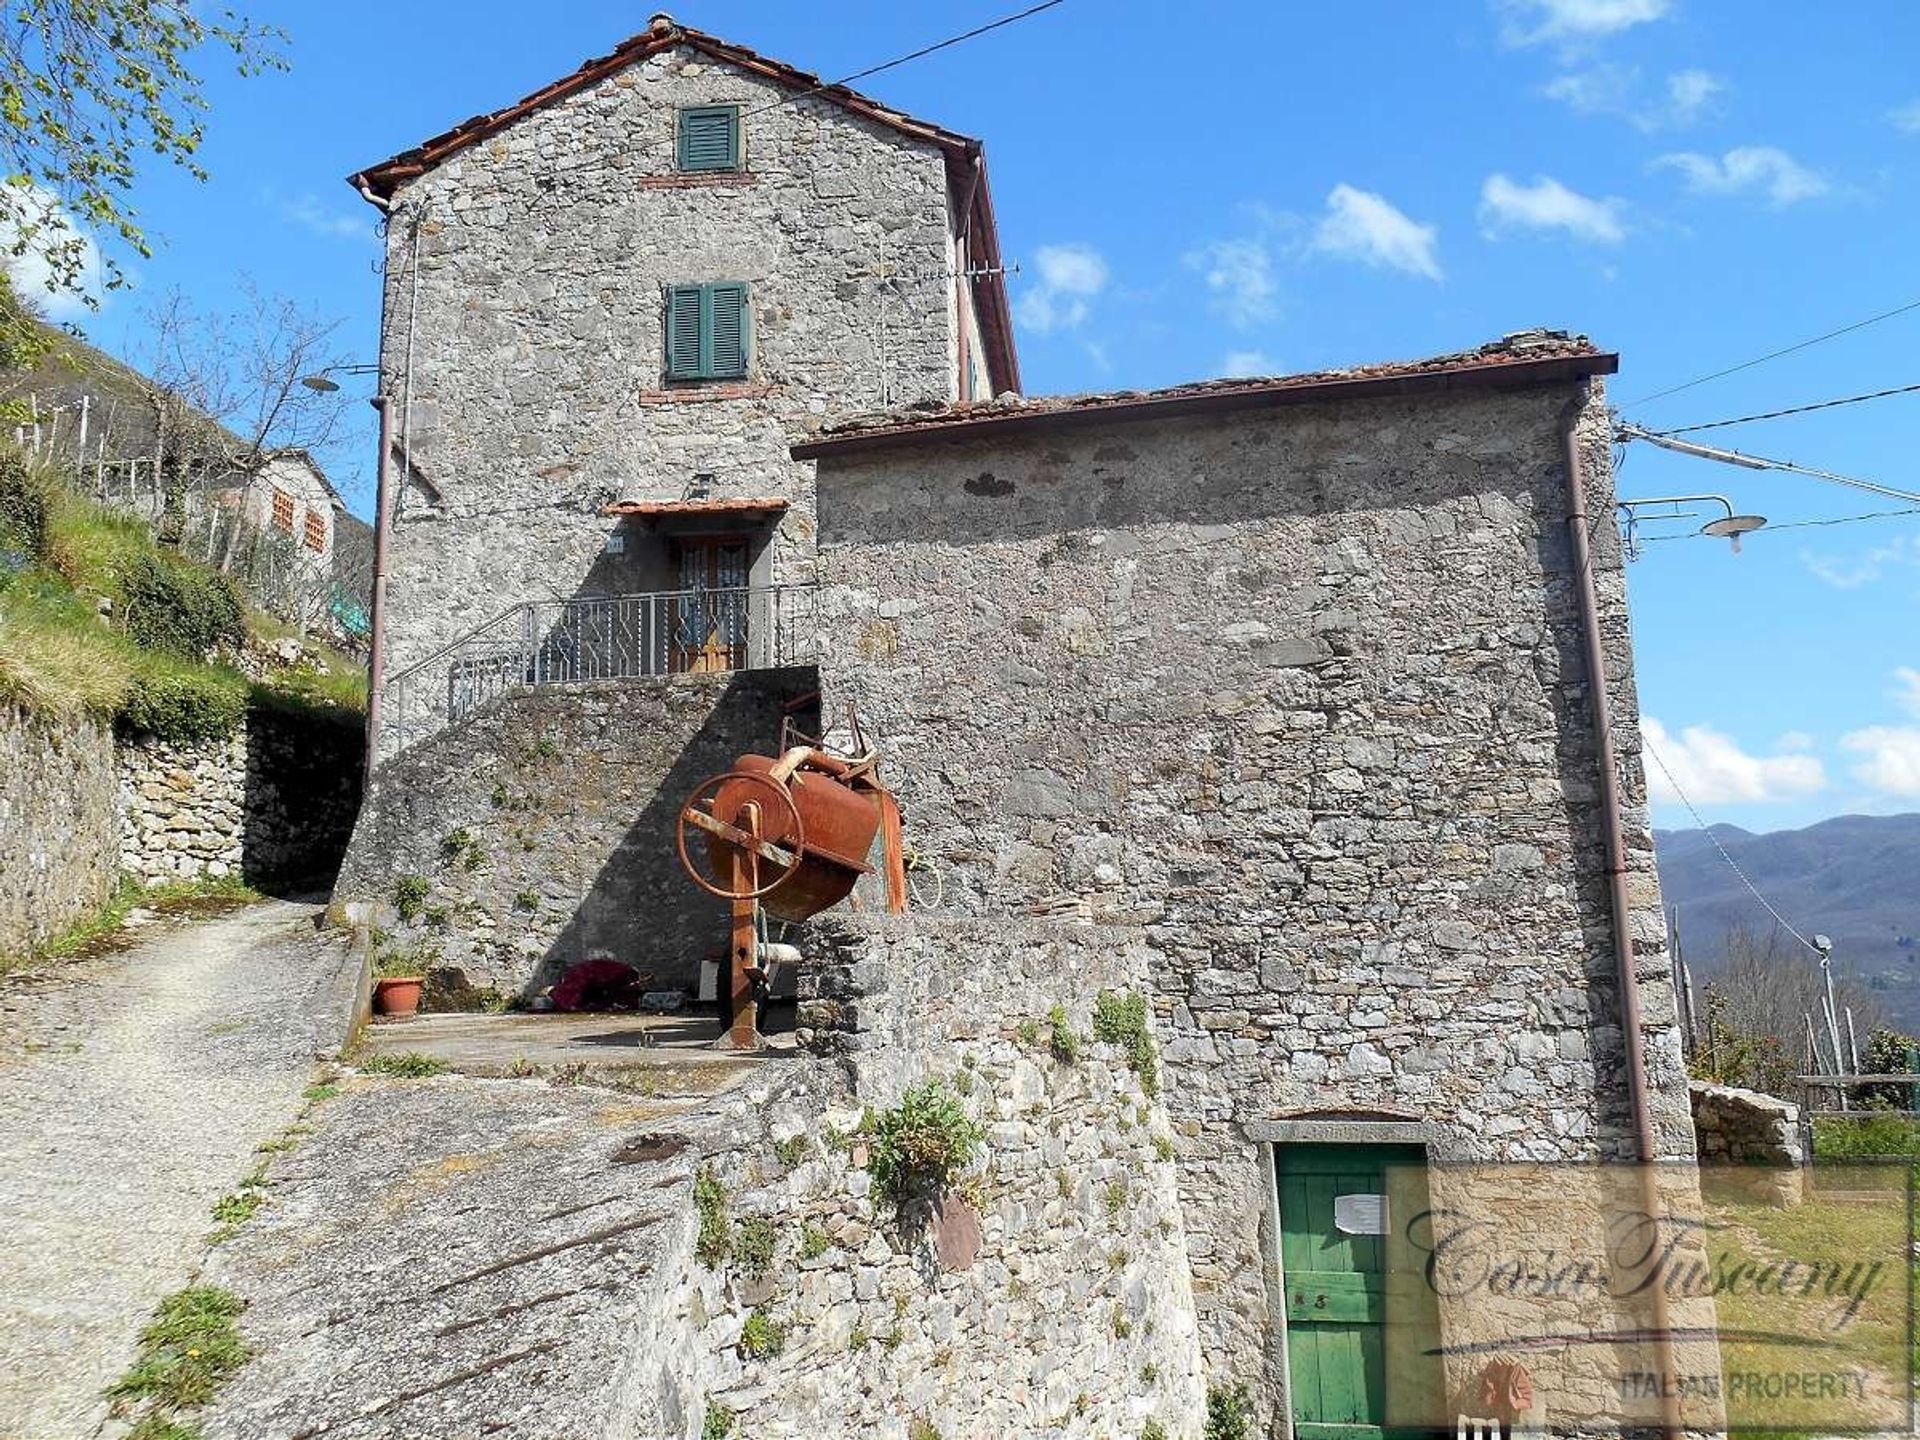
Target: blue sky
[[1250, 186]]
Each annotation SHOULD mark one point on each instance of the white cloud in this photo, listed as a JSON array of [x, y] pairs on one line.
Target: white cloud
[[1906, 117], [24, 207], [1850, 572], [1906, 690], [1892, 757], [1070, 277], [1239, 273], [1546, 204], [1692, 94], [1748, 169], [1572, 22], [1711, 769], [310, 213], [1244, 364], [1360, 225], [1793, 742], [1607, 89]]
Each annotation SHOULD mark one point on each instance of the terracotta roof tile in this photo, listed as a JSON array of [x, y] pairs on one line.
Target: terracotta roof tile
[[1528, 357]]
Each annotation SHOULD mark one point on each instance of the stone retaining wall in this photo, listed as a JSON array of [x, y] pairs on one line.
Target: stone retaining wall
[[274, 802], [58, 852], [1068, 1312], [543, 828]]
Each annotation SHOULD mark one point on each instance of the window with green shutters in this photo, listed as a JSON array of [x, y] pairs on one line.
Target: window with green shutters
[[710, 137], [708, 331]]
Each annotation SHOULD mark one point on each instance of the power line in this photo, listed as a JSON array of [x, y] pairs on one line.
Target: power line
[[1776, 354], [1790, 525], [1732, 864], [1791, 410]]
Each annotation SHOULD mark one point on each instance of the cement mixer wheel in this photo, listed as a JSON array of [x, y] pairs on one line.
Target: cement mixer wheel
[[692, 816]]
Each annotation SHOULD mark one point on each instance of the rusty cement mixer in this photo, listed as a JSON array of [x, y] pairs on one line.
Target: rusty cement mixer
[[789, 836]]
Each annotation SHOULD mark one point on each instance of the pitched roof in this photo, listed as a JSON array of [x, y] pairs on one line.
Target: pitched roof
[[965, 156], [1532, 357]]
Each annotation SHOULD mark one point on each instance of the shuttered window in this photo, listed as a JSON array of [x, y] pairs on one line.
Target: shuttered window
[[709, 331], [283, 509], [710, 137]]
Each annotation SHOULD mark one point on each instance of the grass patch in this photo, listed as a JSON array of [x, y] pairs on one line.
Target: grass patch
[[323, 1091], [189, 1350], [105, 930], [158, 1425], [407, 1065]]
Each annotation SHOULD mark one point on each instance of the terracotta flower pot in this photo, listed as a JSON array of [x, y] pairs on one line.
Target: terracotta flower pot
[[397, 995]]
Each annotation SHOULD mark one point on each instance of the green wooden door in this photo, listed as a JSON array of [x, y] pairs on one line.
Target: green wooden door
[[1344, 1269]]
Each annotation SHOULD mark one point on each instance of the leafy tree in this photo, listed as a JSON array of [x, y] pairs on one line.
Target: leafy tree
[[88, 90]]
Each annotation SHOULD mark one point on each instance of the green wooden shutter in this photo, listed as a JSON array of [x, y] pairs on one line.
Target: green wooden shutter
[[710, 137], [684, 332], [727, 331]]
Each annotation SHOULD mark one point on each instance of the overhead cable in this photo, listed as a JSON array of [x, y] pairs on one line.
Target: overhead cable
[[1791, 410], [1776, 354]]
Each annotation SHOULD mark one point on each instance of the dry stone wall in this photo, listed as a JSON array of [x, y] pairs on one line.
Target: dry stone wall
[[541, 830], [530, 332], [1069, 1312], [272, 803], [58, 832], [1299, 692]]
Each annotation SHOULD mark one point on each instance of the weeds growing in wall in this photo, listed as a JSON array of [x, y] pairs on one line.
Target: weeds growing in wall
[[922, 1145]]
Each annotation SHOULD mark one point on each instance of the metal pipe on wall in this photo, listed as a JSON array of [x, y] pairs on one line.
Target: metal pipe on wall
[[377, 610], [1646, 1145]]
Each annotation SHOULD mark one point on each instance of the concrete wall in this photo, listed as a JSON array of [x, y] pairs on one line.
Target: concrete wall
[[58, 851], [1300, 692], [567, 799], [527, 343]]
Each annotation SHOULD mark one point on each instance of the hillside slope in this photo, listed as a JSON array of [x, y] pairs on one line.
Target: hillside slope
[[1855, 878]]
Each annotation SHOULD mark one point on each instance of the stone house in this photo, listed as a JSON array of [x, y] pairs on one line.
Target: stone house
[[609, 307], [1283, 685], [1285, 676]]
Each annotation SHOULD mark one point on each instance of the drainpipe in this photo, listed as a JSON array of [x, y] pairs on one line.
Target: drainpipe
[[1645, 1145], [377, 615]]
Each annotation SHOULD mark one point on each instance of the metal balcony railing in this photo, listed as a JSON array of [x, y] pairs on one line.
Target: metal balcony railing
[[615, 637]]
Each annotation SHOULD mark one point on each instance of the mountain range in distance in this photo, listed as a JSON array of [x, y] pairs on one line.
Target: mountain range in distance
[[1854, 879]]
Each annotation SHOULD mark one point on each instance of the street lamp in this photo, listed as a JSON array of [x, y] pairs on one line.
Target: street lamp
[[323, 382]]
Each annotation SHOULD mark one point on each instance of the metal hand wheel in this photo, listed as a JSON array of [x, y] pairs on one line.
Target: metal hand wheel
[[754, 847]]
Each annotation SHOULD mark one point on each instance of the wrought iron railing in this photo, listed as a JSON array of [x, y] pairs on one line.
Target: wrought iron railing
[[614, 637]]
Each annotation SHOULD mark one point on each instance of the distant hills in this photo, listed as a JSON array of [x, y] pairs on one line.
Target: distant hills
[[1855, 879]]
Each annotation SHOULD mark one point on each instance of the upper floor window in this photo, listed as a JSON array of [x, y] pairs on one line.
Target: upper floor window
[[316, 530], [709, 137], [282, 509], [708, 331]]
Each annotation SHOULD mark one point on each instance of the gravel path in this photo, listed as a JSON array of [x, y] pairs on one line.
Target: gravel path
[[133, 1092]]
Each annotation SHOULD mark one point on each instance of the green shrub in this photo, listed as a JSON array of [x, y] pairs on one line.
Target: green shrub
[[923, 1143], [1229, 1413], [182, 703], [1869, 1135], [24, 506], [1120, 1018], [1153, 1430], [1063, 1042], [718, 1424], [715, 1241], [174, 605], [753, 1242], [763, 1337], [410, 896]]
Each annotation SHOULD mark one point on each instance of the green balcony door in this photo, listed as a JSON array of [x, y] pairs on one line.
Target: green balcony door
[[1348, 1269]]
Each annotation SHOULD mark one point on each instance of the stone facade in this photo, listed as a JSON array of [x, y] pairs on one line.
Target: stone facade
[[1750, 1141], [273, 803], [58, 829], [544, 826], [526, 345], [1299, 691]]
